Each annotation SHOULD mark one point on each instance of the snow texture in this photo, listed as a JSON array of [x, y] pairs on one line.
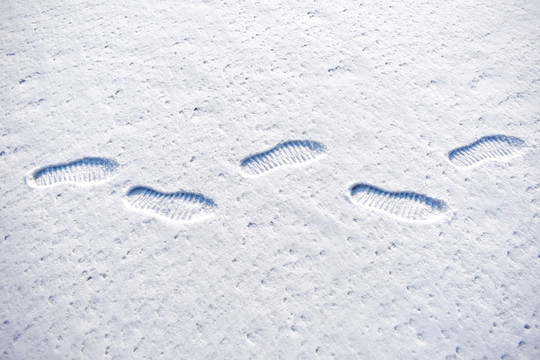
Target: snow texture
[[289, 266]]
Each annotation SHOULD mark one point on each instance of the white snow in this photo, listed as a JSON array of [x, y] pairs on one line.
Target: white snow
[[288, 266]]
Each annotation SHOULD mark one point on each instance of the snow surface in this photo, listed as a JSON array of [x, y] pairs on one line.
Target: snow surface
[[179, 92]]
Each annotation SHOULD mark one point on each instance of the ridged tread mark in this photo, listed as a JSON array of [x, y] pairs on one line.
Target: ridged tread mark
[[85, 171], [177, 206], [286, 153], [403, 205], [485, 148]]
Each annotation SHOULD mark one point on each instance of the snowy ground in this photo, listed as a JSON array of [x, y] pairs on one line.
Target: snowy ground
[[178, 93]]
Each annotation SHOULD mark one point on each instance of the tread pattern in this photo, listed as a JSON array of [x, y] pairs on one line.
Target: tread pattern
[[487, 147], [83, 171], [403, 205], [286, 153], [178, 206]]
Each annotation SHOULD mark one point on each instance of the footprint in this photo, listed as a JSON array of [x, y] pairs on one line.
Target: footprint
[[179, 206], [403, 205], [291, 152], [488, 147], [85, 171]]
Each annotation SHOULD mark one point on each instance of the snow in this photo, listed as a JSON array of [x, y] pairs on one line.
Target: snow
[[288, 266]]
